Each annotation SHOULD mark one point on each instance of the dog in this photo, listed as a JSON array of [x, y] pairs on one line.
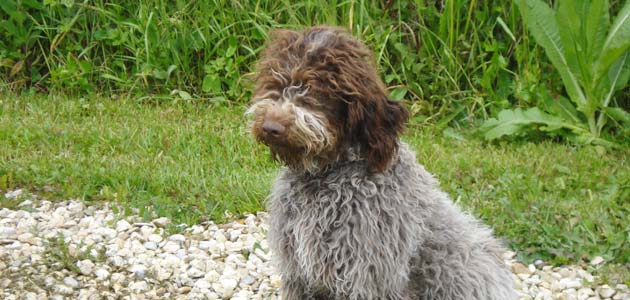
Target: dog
[[352, 214]]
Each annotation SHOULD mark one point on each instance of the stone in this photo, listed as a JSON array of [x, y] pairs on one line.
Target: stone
[[71, 282], [161, 222], [202, 284], [147, 229], [123, 225], [248, 280], [138, 271], [195, 273], [573, 284], [606, 292], [156, 238], [177, 238], [7, 233], [14, 194], [28, 238], [170, 247], [101, 274], [228, 285], [519, 268], [597, 260], [138, 286], [63, 289], [150, 246], [30, 296], [117, 277], [584, 293], [85, 266]]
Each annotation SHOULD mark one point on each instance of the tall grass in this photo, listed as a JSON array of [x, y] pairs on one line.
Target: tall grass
[[452, 58]]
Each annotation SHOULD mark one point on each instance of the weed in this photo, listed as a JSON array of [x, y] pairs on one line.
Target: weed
[[58, 251]]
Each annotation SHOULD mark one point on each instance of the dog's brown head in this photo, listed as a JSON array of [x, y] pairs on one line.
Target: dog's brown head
[[317, 94]]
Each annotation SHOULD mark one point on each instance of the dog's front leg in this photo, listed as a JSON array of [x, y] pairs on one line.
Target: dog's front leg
[[293, 288]]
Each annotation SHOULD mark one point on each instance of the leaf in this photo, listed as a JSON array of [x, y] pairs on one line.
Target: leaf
[[619, 115], [16, 68], [597, 23], [232, 46], [506, 28], [570, 16], [10, 8], [541, 22], [211, 84], [7, 62], [617, 77], [184, 95], [444, 121], [561, 107], [160, 74], [33, 4], [451, 133], [517, 121], [617, 42], [398, 93], [112, 77]]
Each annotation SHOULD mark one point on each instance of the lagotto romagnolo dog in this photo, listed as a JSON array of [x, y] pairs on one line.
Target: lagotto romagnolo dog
[[353, 215]]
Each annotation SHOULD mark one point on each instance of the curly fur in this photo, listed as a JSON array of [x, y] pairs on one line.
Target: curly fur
[[354, 216]]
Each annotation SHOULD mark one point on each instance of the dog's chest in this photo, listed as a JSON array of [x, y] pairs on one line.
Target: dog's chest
[[323, 222]]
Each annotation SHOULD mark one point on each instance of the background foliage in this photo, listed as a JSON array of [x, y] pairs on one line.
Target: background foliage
[[453, 59]]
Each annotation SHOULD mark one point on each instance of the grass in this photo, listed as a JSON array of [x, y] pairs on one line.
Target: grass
[[59, 253], [188, 162], [193, 162], [461, 59]]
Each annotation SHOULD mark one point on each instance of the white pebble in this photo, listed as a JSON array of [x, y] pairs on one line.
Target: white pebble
[[204, 261], [85, 266], [597, 260], [170, 247], [101, 274], [156, 238], [161, 222], [71, 282], [150, 245], [122, 225], [177, 238], [605, 291], [13, 194], [138, 271], [138, 286]]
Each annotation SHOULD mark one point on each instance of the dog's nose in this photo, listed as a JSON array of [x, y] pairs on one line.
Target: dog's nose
[[272, 128]]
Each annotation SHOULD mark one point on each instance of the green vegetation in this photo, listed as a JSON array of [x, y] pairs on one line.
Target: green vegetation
[[455, 61], [182, 160], [593, 60], [191, 162], [60, 255]]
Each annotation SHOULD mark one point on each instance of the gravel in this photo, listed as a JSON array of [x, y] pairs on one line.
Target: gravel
[[65, 250]]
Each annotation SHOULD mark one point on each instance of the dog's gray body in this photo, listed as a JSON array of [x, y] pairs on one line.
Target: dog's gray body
[[347, 233]]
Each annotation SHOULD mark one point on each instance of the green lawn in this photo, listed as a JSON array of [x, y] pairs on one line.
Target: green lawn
[[193, 162]]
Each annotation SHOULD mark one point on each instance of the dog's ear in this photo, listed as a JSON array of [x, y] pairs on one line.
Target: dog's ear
[[375, 126]]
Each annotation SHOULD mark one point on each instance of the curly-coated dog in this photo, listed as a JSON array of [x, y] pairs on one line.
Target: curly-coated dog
[[353, 215]]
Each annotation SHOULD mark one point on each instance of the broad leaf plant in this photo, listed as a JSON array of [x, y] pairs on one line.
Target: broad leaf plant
[[592, 56]]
